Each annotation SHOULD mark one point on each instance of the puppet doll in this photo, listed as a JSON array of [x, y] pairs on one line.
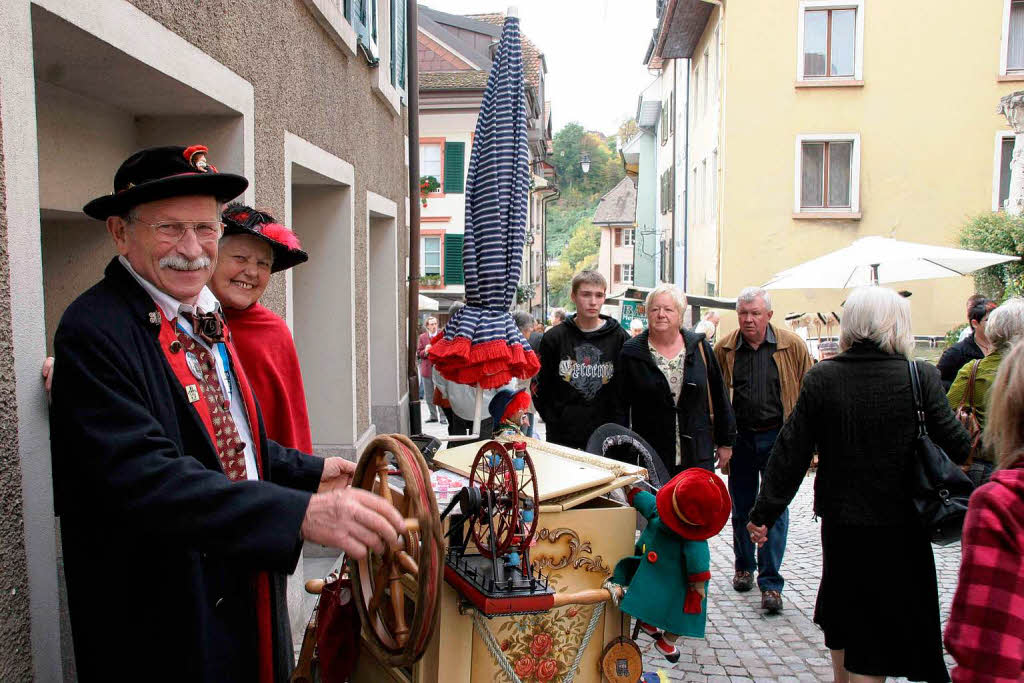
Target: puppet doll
[[666, 580], [510, 413]]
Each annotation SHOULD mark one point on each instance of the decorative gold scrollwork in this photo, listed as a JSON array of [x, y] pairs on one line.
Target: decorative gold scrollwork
[[575, 559]]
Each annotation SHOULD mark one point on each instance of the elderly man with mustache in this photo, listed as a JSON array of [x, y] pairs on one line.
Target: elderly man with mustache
[[176, 510]]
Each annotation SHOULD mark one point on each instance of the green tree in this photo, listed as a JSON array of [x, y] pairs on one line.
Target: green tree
[[627, 129], [998, 233], [579, 254]]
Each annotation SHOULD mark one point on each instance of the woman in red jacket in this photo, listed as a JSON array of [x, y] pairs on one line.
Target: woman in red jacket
[[985, 633]]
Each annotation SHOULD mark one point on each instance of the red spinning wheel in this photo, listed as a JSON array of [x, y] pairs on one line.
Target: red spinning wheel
[[397, 593], [494, 474], [528, 496]]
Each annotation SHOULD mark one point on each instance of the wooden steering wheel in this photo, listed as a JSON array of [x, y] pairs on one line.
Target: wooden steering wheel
[[397, 593]]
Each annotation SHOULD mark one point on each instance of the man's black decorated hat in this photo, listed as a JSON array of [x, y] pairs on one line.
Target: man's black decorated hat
[[244, 220], [162, 172]]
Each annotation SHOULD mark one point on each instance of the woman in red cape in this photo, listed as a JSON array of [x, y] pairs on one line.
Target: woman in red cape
[[253, 247]]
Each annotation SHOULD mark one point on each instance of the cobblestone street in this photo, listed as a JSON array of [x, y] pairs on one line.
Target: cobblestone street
[[742, 643]]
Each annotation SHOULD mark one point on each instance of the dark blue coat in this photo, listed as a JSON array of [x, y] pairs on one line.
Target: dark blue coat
[[160, 548]]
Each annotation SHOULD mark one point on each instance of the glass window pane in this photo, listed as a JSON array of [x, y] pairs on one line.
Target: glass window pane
[[844, 33], [812, 166], [839, 155], [1004, 171], [1015, 42], [431, 255], [815, 42], [430, 160]]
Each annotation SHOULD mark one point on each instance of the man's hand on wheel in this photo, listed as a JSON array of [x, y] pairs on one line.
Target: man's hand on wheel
[[352, 520], [337, 474]]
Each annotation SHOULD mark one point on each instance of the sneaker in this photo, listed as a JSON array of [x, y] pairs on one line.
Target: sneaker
[[667, 649], [771, 601], [652, 631], [742, 581]]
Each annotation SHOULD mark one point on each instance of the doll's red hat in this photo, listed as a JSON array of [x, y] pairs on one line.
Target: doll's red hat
[[694, 504]]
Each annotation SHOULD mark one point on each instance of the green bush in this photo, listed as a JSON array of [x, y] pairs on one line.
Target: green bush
[[1000, 233]]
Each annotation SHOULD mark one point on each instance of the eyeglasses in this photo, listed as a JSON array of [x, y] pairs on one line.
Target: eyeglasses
[[172, 232]]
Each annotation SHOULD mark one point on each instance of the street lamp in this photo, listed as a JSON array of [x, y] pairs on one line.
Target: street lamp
[[585, 162]]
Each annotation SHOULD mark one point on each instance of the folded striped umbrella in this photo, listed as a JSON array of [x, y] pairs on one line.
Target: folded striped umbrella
[[481, 344]]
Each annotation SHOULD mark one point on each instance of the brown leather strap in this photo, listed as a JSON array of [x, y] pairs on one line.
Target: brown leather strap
[[968, 398]]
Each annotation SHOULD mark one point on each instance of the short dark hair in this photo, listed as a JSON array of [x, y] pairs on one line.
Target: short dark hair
[[975, 298], [980, 309], [590, 277]]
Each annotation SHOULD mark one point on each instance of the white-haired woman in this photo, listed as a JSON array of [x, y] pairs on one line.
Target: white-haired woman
[[878, 599], [1002, 326], [668, 376]]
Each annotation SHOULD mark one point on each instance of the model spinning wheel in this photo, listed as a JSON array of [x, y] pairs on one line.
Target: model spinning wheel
[[397, 593], [494, 525]]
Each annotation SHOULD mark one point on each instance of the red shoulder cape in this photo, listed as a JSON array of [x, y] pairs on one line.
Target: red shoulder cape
[[267, 352]]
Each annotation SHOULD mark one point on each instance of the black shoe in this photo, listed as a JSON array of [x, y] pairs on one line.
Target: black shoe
[[668, 650], [771, 601], [652, 631], [742, 581]]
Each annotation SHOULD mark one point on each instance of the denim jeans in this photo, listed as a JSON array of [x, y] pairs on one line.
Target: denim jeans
[[749, 457]]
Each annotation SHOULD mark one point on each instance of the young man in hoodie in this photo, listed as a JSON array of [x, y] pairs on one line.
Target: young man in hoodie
[[576, 384]]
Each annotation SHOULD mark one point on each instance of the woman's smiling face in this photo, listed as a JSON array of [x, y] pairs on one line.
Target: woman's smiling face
[[243, 271]]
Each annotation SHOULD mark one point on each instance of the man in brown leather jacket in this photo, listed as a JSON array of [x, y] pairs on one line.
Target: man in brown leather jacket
[[763, 366]]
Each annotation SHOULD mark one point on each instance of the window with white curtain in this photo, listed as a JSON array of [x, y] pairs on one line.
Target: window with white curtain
[[1004, 155], [828, 167], [627, 272], [628, 235], [1015, 37], [431, 256], [430, 161]]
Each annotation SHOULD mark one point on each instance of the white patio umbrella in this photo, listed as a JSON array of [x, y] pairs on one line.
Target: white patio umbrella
[[428, 304], [878, 260]]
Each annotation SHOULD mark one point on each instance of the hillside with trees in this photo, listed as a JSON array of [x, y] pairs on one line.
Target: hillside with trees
[[572, 238]]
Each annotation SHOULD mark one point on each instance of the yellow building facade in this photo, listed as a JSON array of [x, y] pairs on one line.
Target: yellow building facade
[[896, 99]]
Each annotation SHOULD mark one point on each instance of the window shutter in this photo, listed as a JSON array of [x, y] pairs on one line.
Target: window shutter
[[398, 43], [454, 168], [670, 188], [347, 10], [618, 237], [453, 274], [618, 274]]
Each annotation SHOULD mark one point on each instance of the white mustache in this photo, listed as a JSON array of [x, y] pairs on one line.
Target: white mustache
[[176, 262]]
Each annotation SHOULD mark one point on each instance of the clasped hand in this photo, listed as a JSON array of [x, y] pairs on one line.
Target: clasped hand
[[758, 534]]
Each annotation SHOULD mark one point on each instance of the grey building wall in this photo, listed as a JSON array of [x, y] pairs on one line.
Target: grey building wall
[[303, 84], [16, 649]]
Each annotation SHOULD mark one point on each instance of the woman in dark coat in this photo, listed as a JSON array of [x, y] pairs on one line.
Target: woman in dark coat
[[878, 602], [667, 377]]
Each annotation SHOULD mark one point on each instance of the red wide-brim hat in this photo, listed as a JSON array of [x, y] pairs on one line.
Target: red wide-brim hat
[[245, 220], [694, 504]]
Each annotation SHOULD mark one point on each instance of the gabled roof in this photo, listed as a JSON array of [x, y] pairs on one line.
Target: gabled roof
[[533, 59], [439, 25], [618, 205]]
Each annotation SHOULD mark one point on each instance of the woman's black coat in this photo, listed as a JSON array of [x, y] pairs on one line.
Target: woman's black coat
[[645, 399]]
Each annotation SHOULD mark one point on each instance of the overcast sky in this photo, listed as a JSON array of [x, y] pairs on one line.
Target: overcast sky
[[594, 51]]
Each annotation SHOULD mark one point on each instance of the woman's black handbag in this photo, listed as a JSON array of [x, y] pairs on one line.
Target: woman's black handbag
[[938, 487]]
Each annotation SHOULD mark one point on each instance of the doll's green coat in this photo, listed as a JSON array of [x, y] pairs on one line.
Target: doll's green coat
[[657, 589]]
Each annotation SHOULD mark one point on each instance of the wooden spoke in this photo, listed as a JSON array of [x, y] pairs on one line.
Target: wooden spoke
[[407, 563], [382, 478], [379, 584], [401, 630]]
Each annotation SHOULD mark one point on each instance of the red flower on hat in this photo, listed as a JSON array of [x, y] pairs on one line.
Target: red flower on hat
[[280, 234]]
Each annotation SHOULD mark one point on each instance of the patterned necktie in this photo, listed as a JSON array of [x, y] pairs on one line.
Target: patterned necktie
[[230, 450]]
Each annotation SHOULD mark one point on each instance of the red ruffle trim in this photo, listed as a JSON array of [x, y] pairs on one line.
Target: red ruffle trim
[[491, 364]]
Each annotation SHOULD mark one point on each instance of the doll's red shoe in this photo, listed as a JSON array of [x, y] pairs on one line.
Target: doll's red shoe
[[652, 631], [667, 649]]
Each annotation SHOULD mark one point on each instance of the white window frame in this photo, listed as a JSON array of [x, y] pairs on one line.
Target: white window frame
[[854, 207], [858, 57], [440, 254], [996, 162], [622, 272], [628, 236], [1004, 42], [707, 80]]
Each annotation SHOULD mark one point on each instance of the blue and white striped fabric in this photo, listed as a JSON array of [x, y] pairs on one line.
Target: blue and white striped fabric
[[481, 342]]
